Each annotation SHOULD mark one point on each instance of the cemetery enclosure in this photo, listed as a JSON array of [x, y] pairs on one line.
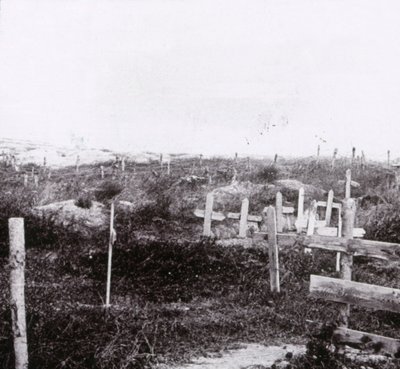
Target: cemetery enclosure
[[188, 280]]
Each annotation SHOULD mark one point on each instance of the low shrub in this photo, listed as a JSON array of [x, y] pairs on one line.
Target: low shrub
[[265, 174], [108, 190], [84, 201]]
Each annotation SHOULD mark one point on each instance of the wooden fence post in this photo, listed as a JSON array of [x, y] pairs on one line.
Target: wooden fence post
[[17, 291], [123, 164], [349, 211], [388, 158], [208, 214], [329, 203], [348, 184], [276, 158], [236, 158], [279, 212], [168, 167], [110, 249], [244, 212], [273, 250], [353, 155], [201, 160], [300, 209]]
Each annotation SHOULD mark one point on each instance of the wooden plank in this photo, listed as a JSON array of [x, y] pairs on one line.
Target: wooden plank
[[273, 250], [250, 218], [367, 341], [355, 293], [358, 247], [287, 209], [214, 216], [208, 215], [243, 218], [333, 232], [324, 204], [329, 205], [375, 249], [279, 213]]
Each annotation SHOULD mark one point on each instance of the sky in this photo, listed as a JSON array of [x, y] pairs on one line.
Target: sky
[[214, 77]]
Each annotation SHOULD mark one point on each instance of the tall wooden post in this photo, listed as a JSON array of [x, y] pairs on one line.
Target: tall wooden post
[[276, 158], [17, 291], [353, 155], [273, 251], [279, 212], [348, 184], [201, 160], [110, 249], [123, 164], [208, 215], [388, 158], [349, 212], [300, 210], [244, 212]]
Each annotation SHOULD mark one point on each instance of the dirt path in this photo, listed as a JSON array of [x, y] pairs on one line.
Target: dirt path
[[248, 356]]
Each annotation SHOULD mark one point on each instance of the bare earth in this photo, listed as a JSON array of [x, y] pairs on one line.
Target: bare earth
[[250, 356]]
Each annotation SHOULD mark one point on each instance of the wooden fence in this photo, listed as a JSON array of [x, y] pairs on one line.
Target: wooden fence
[[344, 290]]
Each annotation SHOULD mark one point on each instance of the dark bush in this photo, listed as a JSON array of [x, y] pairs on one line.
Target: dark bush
[[84, 201], [266, 174], [108, 190]]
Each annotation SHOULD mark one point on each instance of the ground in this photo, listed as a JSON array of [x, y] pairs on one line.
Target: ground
[[175, 296]]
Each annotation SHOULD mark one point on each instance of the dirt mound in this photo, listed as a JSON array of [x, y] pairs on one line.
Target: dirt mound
[[229, 198], [69, 215], [291, 187]]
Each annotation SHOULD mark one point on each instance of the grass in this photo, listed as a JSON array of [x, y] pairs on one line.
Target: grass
[[174, 296]]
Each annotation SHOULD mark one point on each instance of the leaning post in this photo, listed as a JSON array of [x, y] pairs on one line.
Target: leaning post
[[110, 249]]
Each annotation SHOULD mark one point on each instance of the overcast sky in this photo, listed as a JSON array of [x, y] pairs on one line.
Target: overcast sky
[[203, 76]]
